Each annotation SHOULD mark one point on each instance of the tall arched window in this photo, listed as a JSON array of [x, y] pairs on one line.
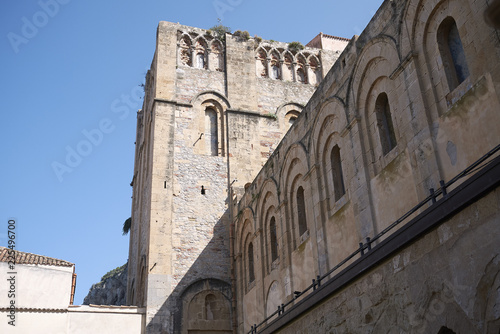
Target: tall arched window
[[261, 64], [337, 175], [211, 310], [211, 133], [200, 60], [275, 66], [301, 211], [384, 123], [301, 70], [185, 51], [217, 57], [288, 67], [201, 53], [452, 53], [251, 271], [274, 240]]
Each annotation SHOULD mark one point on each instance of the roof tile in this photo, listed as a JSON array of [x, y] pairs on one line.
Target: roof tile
[[29, 258]]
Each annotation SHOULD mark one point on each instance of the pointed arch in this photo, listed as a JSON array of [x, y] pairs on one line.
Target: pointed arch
[[200, 53], [288, 66], [275, 65], [184, 50], [216, 59], [315, 72], [261, 63], [301, 70]]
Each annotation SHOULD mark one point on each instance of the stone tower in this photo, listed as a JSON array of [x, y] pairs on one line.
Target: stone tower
[[215, 108]]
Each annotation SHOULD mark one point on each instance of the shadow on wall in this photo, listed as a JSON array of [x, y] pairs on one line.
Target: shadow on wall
[[201, 301]]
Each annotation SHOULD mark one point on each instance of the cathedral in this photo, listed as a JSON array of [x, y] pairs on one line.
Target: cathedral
[[344, 186]]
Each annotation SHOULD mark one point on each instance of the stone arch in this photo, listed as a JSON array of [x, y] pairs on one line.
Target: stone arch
[[487, 295], [261, 68], [245, 226], [295, 161], [194, 312], [421, 37], [268, 207], [452, 53], [315, 71], [295, 167], [287, 113], [371, 77], [329, 123], [200, 52], [184, 54], [288, 66], [378, 58], [274, 297], [275, 71], [206, 142], [332, 109], [301, 69], [216, 58]]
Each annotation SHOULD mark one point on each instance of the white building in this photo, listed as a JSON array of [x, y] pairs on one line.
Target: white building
[[36, 296]]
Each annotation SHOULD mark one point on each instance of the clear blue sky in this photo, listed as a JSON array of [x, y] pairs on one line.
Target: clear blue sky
[[65, 71]]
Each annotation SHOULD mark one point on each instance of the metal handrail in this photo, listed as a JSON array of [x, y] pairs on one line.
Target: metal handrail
[[367, 246]]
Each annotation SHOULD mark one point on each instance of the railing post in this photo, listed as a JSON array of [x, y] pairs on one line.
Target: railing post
[[369, 243], [433, 196], [318, 279], [362, 248], [443, 188]]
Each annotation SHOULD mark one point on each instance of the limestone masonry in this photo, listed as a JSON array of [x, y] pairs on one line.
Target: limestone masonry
[[260, 166]]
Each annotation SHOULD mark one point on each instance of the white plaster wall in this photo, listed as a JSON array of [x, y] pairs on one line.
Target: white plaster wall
[[89, 320], [35, 323], [38, 286], [77, 320]]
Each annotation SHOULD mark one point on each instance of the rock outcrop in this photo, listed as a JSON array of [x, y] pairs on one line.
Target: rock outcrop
[[111, 290]]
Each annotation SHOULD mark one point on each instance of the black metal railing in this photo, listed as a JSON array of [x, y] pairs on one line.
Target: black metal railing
[[364, 248]]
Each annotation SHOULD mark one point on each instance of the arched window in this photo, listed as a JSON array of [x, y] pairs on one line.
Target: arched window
[[261, 64], [315, 71], [291, 116], [185, 51], [301, 211], [275, 66], [452, 53], [211, 307], [273, 239], [384, 123], [251, 271], [337, 175], [301, 70], [216, 57], [211, 133], [275, 71], [201, 53], [288, 67], [200, 60]]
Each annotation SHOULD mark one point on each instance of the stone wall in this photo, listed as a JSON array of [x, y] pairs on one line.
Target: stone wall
[[449, 278], [210, 119], [389, 121]]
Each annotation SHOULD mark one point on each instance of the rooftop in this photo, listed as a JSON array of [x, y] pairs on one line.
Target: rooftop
[[28, 258]]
